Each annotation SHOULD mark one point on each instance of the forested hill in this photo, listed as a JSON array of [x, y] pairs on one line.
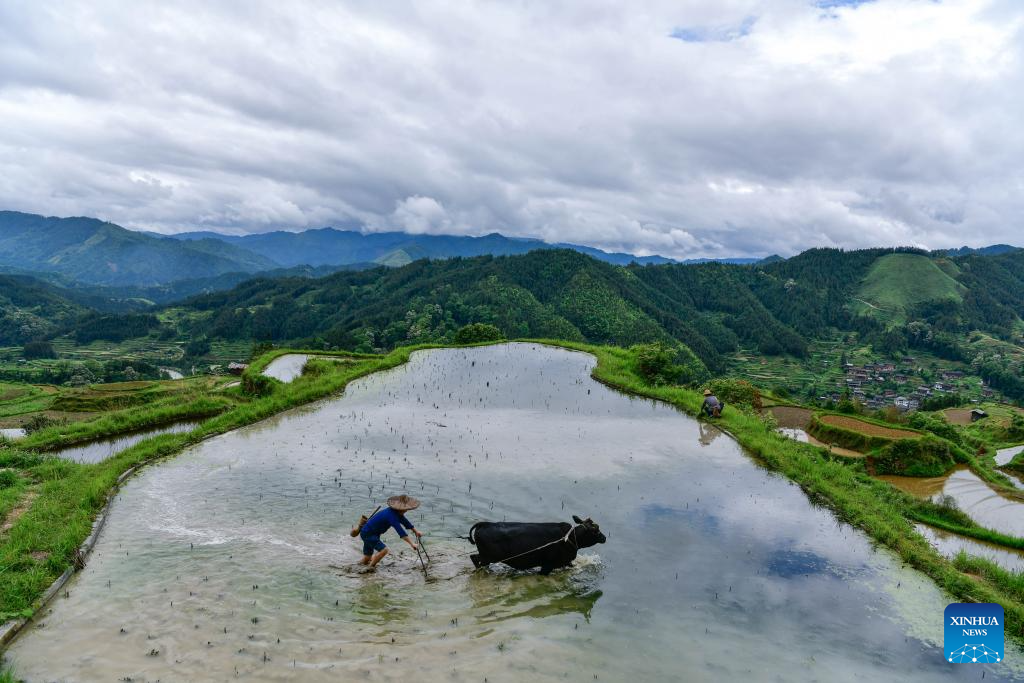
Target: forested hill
[[713, 308], [95, 252]]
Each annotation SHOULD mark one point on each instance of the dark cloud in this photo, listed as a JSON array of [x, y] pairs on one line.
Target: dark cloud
[[695, 128]]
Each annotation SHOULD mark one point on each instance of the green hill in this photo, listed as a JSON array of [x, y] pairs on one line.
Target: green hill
[[94, 252], [897, 284], [30, 309]]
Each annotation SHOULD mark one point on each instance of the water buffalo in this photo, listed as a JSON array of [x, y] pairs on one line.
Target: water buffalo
[[524, 545]]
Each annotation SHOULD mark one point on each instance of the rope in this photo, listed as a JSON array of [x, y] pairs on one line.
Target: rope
[[563, 539]]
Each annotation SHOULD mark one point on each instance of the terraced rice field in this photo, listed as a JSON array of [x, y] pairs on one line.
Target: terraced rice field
[[868, 428]]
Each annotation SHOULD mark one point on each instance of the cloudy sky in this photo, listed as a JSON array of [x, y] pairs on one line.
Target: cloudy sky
[[686, 128]]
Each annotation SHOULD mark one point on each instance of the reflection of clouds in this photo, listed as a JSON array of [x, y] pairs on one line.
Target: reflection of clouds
[[696, 535]]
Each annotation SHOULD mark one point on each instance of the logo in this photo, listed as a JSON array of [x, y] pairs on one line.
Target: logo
[[974, 633]]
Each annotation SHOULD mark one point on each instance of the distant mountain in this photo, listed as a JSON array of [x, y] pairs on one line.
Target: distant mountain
[[991, 250], [330, 246], [94, 252]]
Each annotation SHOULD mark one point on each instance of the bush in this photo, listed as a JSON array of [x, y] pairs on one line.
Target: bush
[[928, 456], [478, 332], [38, 349], [197, 347], [936, 426], [260, 348], [7, 479], [656, 363], [256, 384], [38, 422], [736, 392]]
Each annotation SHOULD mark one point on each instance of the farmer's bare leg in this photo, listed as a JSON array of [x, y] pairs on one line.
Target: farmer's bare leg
[[366, 559], [378, 557]]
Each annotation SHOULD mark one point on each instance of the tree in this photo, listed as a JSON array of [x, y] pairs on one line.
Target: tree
[[38, 349], [199, 346], [478, 332]]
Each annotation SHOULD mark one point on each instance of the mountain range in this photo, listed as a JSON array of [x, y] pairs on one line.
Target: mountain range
[[94, 252]]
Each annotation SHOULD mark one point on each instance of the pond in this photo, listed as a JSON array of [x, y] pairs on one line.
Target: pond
[[101, 449], [228, 562]]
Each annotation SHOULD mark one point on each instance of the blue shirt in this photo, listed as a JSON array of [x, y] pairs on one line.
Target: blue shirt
[[388, 517]]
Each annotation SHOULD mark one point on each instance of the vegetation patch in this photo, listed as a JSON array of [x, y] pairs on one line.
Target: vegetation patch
[[928, 456]]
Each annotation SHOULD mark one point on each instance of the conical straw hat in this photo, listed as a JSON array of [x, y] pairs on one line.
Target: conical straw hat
[[403, 503]]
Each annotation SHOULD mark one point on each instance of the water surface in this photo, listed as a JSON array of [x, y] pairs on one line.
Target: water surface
[[12, 433], [950, 544], [287, 367], [973, 495], [1005, 455], [101, 449], [228, 562]]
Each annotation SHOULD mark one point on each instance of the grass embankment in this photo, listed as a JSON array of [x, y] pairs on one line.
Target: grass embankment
[[41, 543], [874, 506]]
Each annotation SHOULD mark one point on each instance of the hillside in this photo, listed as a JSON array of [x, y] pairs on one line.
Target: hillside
[[94, 252], [30, 309], [897, 284]]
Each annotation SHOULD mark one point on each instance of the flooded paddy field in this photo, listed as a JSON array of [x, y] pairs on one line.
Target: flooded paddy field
[[949, 544], [986, 506], [1005, 455], [101, 449], [228, 562], [289, 366]]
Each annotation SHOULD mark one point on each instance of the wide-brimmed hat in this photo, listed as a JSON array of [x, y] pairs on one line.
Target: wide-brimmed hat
[[403, 503], [707, 392]]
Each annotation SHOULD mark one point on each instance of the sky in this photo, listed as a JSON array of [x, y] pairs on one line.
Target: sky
[[690, 128]]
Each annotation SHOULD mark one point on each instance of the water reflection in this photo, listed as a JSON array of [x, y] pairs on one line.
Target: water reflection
[[229, 560], [708, 433], [287, 367], [985, 505], [1005, 455], [101, 449], [949, 544]]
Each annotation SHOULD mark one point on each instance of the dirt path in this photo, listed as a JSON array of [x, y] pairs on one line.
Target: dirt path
[[17, 511]]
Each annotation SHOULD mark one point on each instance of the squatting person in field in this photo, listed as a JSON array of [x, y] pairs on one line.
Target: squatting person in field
[[711, 407], [393, 516]]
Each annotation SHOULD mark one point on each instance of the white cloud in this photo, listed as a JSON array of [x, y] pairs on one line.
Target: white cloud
[[771, 127]]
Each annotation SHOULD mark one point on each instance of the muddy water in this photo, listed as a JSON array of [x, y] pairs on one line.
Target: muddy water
[[950, 544], [101, 449], [287, 367], [972, 495], [801, 435], [221, 563]]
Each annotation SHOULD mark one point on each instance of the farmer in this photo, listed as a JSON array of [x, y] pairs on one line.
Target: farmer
[[392, 516], [711, 407]]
